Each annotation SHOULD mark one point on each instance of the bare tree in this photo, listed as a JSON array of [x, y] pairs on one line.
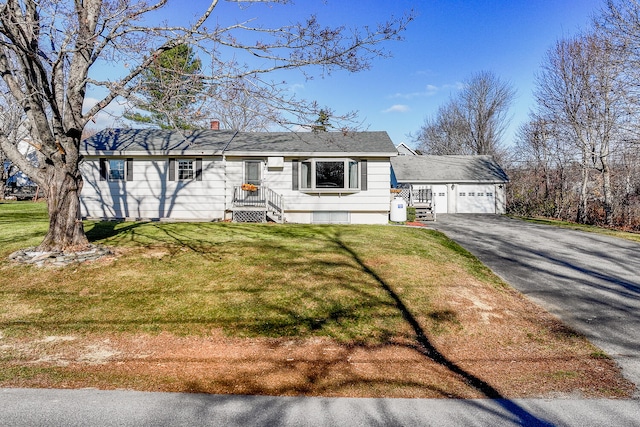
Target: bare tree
[[588, 93], [445, 133], [619, 23], [540, 171], [11, 125], [242, 105], [49, 48], [581, 90], [473, 122], [484, 104]]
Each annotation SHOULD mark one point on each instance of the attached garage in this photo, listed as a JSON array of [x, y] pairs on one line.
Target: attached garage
[[478, 198], [458, 184]]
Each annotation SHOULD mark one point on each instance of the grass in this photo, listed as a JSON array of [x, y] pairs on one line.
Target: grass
[[372, 310], [23, 224], [250, 280], [635, 237]]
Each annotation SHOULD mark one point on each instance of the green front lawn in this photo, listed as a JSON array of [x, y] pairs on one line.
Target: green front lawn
[[303, 309], [247, 279]]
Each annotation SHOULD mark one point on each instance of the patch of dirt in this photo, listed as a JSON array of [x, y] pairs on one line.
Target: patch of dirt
[[217, 364], [516, 349]]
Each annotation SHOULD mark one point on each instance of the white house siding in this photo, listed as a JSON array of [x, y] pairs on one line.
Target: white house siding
[[150, 195], [364, 207]]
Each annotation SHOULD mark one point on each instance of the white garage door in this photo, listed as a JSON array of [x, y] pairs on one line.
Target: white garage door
[[476, 199], [440, 198]]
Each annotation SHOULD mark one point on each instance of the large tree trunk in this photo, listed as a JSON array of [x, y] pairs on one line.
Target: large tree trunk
[[66, 231]]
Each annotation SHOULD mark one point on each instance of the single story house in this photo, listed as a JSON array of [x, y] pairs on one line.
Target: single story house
[[210, 175], [455, 184]]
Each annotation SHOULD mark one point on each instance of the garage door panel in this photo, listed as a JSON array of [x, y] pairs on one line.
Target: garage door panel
[[476, 199], [440, 198]]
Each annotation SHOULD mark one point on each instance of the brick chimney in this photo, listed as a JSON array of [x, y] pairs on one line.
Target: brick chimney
[[215, 125]]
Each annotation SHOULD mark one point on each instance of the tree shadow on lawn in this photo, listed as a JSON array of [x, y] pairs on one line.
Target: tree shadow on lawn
[[182, 234], [426, 348], [109, 230]]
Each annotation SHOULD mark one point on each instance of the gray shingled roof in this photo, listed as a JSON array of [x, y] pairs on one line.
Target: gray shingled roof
[[447, 169], [312, 142], [154, 141], [163, 142]]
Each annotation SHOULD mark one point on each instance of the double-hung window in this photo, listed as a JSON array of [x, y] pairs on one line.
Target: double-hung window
[[116, 169], [330, 174], [185, 169]]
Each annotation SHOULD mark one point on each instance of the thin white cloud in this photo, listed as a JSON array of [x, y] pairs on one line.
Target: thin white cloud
[[429, 90], [428, 73], [296, 87], [397, 108]]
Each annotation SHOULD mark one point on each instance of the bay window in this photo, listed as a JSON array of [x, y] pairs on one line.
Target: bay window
[[330, 174]]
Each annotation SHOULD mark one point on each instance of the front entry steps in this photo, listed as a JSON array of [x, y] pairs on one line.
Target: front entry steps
[[253, 203], [425, 213]]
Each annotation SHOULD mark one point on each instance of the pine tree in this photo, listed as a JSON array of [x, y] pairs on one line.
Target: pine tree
[[170, 89]]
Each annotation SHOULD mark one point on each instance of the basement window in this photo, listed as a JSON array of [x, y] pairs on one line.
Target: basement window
[[330, 217]]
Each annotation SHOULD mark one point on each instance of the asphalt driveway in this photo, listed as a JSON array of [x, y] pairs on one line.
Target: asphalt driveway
[[590, 281]]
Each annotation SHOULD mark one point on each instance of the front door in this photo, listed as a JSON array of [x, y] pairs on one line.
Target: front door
[[253, 172]]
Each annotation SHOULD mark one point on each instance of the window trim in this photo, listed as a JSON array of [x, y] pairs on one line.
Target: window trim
[[192, 169], [174, 173], [311, 175], [105, 169]]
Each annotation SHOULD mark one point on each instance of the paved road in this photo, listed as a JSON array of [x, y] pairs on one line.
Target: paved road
[[33, 407], [590, 281]]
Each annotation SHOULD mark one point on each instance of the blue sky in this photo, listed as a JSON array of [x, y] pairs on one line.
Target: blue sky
[[448, 42]]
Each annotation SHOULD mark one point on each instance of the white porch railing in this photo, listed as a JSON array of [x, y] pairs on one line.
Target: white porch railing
[[258, 198]]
